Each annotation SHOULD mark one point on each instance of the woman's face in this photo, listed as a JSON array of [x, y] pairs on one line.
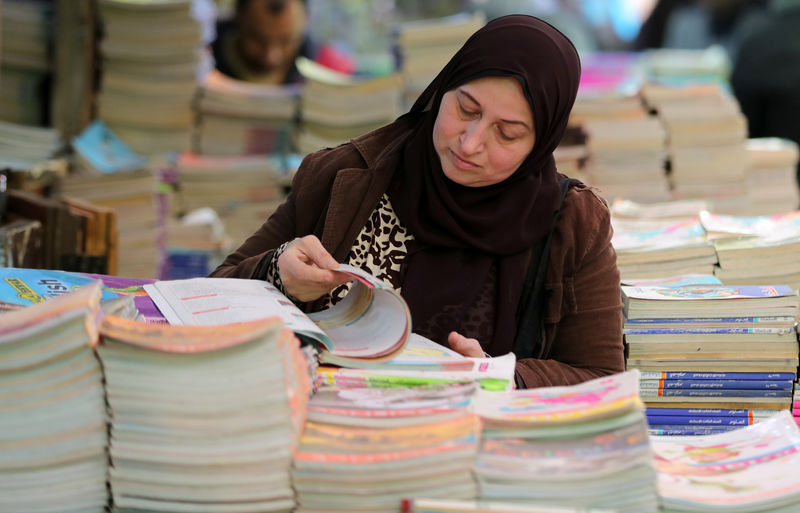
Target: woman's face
[[483, 131]]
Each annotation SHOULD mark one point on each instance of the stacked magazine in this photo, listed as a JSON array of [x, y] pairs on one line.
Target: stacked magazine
[[366, 449], [579, 446], [201, 419], [712, 346], [53, 436], [756, 249], [753, 469], [772, 175]]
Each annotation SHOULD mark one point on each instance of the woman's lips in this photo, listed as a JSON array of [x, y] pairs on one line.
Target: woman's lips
[[460, 162]]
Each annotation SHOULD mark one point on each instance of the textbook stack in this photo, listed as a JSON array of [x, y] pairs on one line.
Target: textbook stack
[[151, 56], [706, 134], [772, 175], [53, 423], [424, 47], [243, 191], [24, 147], [678, 248], [202, 419], [240, 118], [753, 469], [579, 446], [336, 107], [367, 449], [27, 28], [756, 249], [712, 346]]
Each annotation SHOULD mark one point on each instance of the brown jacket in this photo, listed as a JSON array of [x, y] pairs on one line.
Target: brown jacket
[[335, 190]]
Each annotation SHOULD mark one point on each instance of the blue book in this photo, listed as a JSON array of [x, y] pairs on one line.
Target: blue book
[[103, 150], [683, 392], [25, 287], [707, 412], [722, 330], [765, 376], [656, 421], [689, 430], [775, 319], [727, 384]]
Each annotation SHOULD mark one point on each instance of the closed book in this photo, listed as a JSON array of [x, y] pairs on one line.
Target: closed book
[[682, 392], [699, 421], [776, 376], [751, 384]]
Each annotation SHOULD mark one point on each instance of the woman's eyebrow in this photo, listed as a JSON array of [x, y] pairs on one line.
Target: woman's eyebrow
[[510, 121]]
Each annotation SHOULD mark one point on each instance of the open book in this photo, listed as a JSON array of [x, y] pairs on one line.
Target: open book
[[371, 323]]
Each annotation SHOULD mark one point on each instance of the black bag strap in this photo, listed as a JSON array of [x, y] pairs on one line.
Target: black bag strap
[[530, 312]]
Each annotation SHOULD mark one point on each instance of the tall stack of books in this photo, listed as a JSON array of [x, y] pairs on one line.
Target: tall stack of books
[[367, 449], [706, 132], [151, 57], [53, 425], [25, 38], [712, 346], [424, 47], [336, 107], [239, 118], [201, 419], [756, 249], [24, 147], [677, 248], [579, 446], [772, 175], [243, 191], [750, 469]]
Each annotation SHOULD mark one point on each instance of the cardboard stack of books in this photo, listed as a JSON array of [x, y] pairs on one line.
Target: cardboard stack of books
[[678, 248], [578, 446], [202, 419], [336, 107], [240, 118], [424, 47], [712, 346], [25, 66], [753, 469], [243, 191], [151, 57], [756, 249], [366, 449], [772, 175], [53, 435], [706, 134]]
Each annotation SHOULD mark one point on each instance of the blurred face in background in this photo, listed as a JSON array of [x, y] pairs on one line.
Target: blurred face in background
[[483, 131], [271, 33]]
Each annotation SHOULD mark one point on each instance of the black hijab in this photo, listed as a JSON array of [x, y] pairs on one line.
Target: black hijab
[[465, 268]]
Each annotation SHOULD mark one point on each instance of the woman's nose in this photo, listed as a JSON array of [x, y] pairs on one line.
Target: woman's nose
[[473, 137]]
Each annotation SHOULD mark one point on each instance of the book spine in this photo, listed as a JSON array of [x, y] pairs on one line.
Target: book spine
[[689, 430], [706, 331], [683, 392], [728, 384], [700, 421], [708, 412], [762, 376], [714, 320]]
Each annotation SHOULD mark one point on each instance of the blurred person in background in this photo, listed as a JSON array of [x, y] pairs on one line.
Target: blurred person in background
[[698, 24], [766, 75], [262, 40]]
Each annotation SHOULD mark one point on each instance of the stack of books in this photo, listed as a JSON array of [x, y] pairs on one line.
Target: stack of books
[[424, 47], [240, 118], [578, 446], [677, 248], [737, 344], [627, 158], [336, 107], [202, 419], [151, 58], [243, 191], [24, 147], [53, 425], [706, 132], [366, 449], [25, 66], [750, 469], [772, 175], [756, 249]]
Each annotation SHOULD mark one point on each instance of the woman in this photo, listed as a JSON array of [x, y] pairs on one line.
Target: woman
[[447, 203]]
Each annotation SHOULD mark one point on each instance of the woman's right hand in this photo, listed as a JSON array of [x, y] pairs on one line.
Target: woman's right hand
[[306, 269]]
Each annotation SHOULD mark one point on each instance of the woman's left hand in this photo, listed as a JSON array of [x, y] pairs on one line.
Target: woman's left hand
[[465, 346]]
